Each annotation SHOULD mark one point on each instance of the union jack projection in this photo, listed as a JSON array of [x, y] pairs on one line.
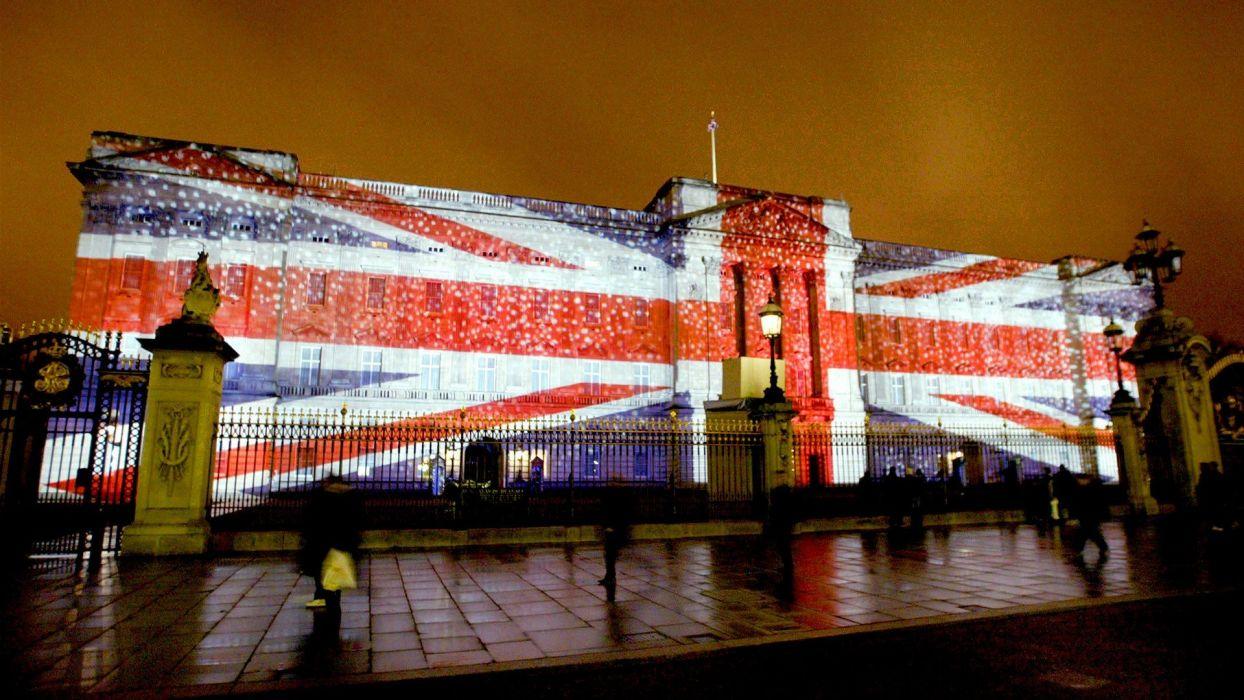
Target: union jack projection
[[432, 300]]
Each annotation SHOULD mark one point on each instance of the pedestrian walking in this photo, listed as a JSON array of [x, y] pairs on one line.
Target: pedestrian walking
[[916, 483], [892, 494], [1063, 484], [1211, 496], [1088, 505], [330, 541], [781, 531], [618, 510]]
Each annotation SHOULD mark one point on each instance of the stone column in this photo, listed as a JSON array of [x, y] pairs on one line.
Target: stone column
[[1132, 464], [1170, 371], [779, 448], [183, 401]]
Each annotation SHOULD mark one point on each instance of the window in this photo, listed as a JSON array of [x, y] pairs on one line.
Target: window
[[931, 388], [640, 314], [643, 376], [242, 225], [775, 287], [317, 288], [430, 371], [234, 281], [142, 216], [434, 297], [488, 302], [591, 460], [373, 362], [486, 374], [898, 389], [740, 311], [591, 309], [375, 293], [641, 464], [896, 330], [185, 275], [132, 272], [309, 367], [540, 374], [192, 221], [591, 376], [540, 303]]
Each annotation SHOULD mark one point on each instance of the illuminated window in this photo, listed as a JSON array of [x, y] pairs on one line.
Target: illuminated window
[[641, 463], [775, 284], [640, 316], [486, 374], [488, 302], [375, 293], [591, 309], [185, 275], [234, 281], [642, 376], [540, 303], [372, 363], [591, 460], [317, 288], [132, 272], [430, 371], [142, 216], [591, 376], [540, 374], [309, 366], [898, 389], [434, 297], [740, 311]]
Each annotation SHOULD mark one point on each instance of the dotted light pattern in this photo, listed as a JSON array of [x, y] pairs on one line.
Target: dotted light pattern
[[418, 299]]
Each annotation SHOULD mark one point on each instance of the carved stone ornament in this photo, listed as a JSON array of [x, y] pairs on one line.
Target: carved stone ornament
[[201, 299], [180, 370], [175, 442]]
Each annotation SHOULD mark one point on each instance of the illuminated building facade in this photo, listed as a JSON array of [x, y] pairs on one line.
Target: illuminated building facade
[[431, 300]]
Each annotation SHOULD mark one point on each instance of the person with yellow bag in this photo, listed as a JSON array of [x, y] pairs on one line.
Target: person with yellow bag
[[330, 541]]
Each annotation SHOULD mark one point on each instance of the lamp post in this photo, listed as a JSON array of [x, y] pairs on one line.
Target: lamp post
[[771, 327], [1153, 260], [1114, 336]]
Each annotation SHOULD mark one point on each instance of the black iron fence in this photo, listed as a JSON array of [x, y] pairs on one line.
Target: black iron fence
[[467, 470], [463, 470]]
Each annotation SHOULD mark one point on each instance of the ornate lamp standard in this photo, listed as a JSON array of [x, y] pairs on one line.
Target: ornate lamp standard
[[1114, 336], [1153, 260], [771, 327]]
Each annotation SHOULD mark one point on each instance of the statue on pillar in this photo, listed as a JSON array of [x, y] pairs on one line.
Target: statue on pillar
[[201, 299]]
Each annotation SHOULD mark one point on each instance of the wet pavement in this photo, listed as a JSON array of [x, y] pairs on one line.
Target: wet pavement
[[239, 624]]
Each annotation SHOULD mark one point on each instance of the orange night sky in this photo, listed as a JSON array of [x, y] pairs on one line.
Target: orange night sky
[[1014, 129]]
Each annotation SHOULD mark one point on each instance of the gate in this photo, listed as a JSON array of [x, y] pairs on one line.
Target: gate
[[71, 412]]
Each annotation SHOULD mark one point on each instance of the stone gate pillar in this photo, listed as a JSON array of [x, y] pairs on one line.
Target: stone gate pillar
[[779, 448], [183, 401], [1132, 464], [1176, 402]]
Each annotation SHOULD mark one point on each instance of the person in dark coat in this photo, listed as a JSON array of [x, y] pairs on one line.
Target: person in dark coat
[[618, 512], [892, 494], [1088, 505], [1211, 495], [1064, 488], [916, 484], [334, 519], [780, 527]]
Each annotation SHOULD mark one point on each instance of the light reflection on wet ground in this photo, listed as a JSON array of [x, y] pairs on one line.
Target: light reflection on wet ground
[[152, 624]]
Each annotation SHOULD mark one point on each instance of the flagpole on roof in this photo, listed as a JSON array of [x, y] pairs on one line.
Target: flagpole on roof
[[712, 139]]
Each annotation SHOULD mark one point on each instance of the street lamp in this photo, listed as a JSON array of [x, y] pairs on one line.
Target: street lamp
[[771, 327], [1153, 260], [1114, 336]]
